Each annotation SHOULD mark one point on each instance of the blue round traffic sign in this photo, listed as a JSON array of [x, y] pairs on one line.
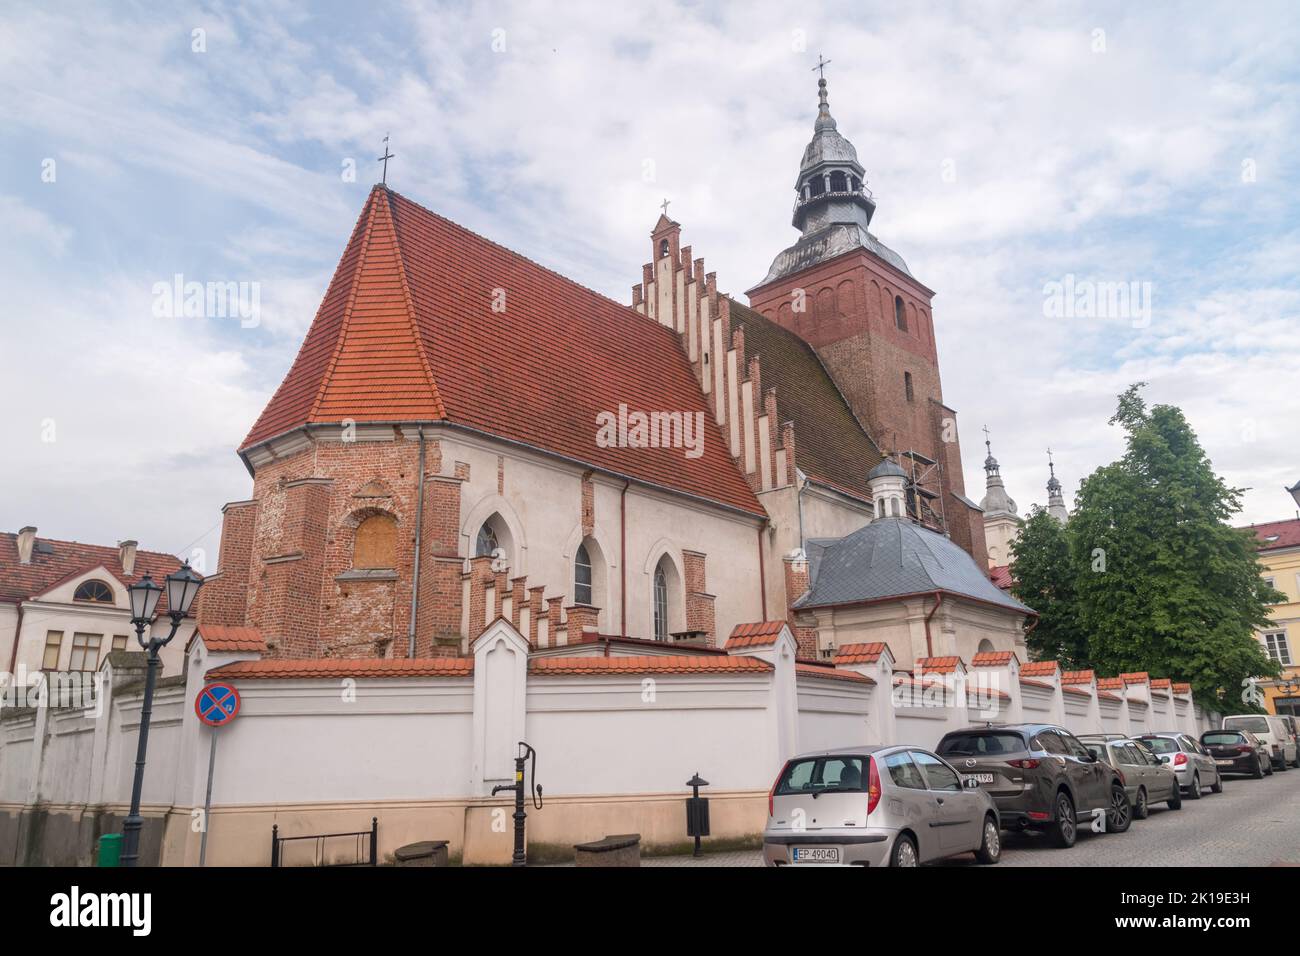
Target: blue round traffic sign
[[217, 704]]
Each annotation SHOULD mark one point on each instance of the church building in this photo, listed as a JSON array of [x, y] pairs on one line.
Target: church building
[[466, 435]]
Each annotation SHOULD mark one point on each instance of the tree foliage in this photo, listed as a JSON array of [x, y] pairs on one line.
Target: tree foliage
[[1154, 578]]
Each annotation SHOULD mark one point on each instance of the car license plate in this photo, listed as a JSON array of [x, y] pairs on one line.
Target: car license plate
[[1224, 763], [816, 854], [979, 777]]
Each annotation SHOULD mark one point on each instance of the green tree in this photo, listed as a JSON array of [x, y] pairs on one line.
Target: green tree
[[1162, 583], [1044, 579]]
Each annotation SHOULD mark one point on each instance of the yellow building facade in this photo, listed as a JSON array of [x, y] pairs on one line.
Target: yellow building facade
[[1279, 552]]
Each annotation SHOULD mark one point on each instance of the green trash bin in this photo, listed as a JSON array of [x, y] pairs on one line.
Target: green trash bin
[[110, 849]]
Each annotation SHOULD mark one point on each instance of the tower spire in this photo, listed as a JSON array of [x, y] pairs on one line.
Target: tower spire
[[1055, 500]]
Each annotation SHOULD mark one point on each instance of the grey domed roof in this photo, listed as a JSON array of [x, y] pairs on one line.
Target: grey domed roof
[[996, 500], [888, 468], [892, 557], [828, 146]]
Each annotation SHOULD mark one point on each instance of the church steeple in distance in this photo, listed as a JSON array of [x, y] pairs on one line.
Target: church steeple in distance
[[1055, 500], [996, 501]]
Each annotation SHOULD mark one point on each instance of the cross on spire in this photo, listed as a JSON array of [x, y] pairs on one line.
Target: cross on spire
[[820, 68], [1050, 466], [384, 159], [664, 205]]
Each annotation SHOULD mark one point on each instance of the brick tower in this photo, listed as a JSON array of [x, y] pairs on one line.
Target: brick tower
[[869, 319]]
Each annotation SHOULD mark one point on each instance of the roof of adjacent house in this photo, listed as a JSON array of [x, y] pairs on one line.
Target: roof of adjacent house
[[408, 331], [1273, 535], [226, 639], [894, 557], [1001, 577], [831, 446], [54, 562]]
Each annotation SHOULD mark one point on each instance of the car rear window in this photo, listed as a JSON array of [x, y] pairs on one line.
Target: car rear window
[[1161, 745], [981, 744], [1256, 725], [823, 775], [1222, 737]]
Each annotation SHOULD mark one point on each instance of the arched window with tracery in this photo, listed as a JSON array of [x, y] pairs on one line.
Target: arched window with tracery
[[661, 603], [582, 576], [97, 592]]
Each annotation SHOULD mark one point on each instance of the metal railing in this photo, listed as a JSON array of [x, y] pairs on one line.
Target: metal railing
[[364, 856]]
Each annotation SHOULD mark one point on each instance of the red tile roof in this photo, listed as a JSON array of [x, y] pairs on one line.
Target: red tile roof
[[1137, 677], [70, 559], [991, 659], [809, 669], [758, 634], [1182, 688], [288, 669], [1001, 576], [938, 665], [1277, 534], [1078, 677], [665, 664], [859, 653], [1110, 683], [228, 639], [1077, 691], [407, 331], [1040, 669], [1161, 682], [1034, 683]]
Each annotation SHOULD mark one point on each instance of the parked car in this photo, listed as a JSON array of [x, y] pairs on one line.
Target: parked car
[[1238, 751], [1190, 762], [1040, 777], [1273, 731], [1146, 779], [1294, 730], [876, 806]]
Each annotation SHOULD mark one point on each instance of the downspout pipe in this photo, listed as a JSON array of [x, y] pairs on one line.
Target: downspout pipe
[[622, 562], [419, 541], [762, 575], [938, 600], [18, 633]]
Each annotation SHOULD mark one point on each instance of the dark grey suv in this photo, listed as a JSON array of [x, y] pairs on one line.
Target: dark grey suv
[[1041, 778]]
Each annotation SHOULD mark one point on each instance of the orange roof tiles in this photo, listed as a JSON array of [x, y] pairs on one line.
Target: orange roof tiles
[[938, 665], [69, 559], [866, 653], [1078, 677], [1182, 688], [664, 664], [407, 332], [1137, 677], [220, 638], [1040, 669], [758, 634], [1110, 683], [289, 669], [821, 670], [1001, 576], [992, 659], [1161, 682]]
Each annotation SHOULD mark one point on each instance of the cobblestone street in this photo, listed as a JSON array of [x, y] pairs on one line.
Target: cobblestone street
[[1252, 823]]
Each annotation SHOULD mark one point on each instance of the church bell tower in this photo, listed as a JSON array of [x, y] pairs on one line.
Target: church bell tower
[[854, 300]]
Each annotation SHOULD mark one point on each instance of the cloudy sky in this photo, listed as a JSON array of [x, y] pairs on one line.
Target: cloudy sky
[[1008, 145]]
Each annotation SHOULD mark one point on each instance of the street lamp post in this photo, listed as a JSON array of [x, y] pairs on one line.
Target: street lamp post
[[182, 587]]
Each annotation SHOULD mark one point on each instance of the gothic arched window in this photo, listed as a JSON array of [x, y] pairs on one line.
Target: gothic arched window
[[95, 591], [486, 544], [661, 603], [900, 314], [582, 576]]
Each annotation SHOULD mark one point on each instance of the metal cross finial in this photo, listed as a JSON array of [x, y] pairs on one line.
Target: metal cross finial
[[820, 68], [1050, 467], [664, 206], [384, 159], [986, 438]]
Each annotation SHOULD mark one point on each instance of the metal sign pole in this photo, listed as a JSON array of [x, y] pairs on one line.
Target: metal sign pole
[[207, 799]]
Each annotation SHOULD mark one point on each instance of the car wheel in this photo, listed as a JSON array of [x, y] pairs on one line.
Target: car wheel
[[1217, 786], [1065, 829], [1258, 772], [1140, 809], [1175, 801], [904, 852], [1194, 791], [990, 850], [1119, 815]]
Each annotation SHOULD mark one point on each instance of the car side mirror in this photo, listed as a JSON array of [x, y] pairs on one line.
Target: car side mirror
[[970, 783]]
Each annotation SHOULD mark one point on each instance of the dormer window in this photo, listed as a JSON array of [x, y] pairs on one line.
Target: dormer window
[[96, 592]]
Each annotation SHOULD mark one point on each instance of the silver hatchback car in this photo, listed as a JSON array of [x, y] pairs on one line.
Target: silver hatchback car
[[876, 806]]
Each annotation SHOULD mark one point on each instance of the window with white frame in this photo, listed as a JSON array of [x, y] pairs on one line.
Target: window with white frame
[[582, 576], [1276, 645]]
